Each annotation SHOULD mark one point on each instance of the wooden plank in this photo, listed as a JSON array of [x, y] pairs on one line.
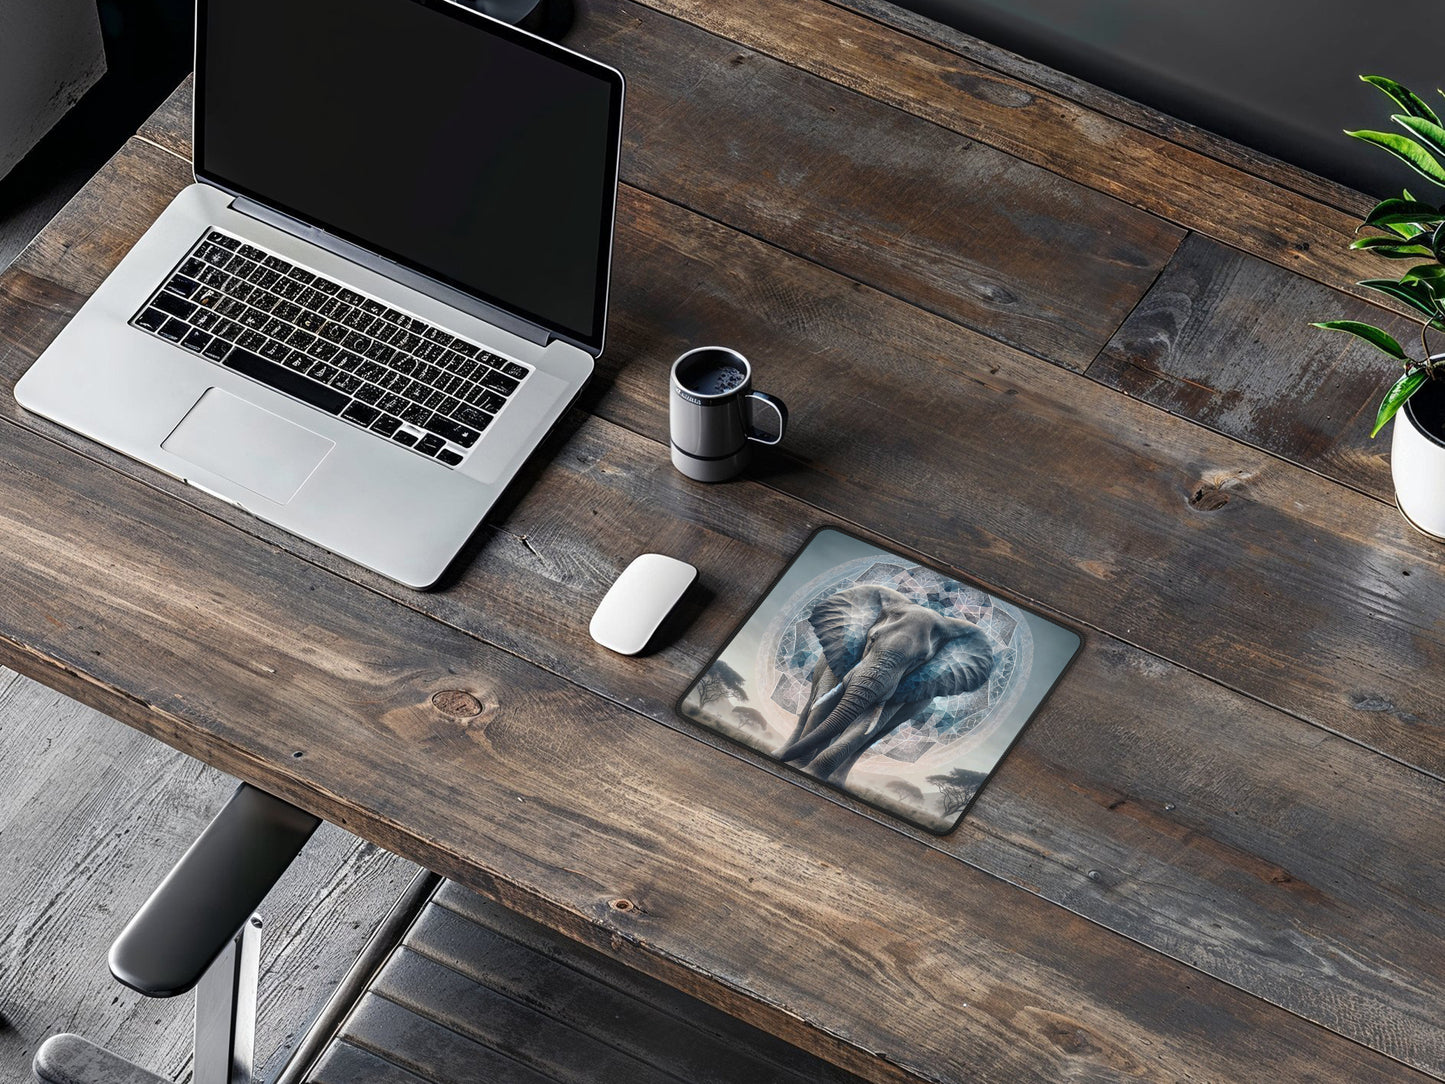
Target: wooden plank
[[560, 544], [881, 195], [525, 1034], [599, 997], [1177, 183], [1223, 340], [627, 835], [347, 1064], [431, 1050], [92, 815], [1098, 100]]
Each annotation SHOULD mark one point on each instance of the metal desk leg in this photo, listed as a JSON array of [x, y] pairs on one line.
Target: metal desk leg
[[226, 1011]]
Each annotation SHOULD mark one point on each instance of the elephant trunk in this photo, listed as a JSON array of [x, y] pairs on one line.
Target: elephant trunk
[[860, 692]]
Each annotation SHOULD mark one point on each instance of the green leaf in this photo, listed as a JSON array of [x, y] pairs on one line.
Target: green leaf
[[1414, 294], [1407, 150], [1427, 131], [1405, 98], [1395, 398], [1393, 248], [1371, 334], [1429, 274], [1393, 212], [1437, 241]]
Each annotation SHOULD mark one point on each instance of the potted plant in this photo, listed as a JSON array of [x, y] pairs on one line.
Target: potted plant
[[1413, 230]]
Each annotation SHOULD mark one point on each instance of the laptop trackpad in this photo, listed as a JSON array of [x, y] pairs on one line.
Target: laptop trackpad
[[247, 445]]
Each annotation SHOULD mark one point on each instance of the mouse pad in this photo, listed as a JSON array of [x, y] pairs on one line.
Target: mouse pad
[[902, 685]]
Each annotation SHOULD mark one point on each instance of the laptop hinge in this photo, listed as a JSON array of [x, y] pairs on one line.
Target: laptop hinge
[[447, 295]]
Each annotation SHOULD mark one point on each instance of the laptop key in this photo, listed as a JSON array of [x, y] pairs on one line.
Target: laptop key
[[183, 286], [276, 351], [403, 437], [174, 306], [369, 393], [283, 379], [417, 415], [196, 340], [347, 382], [217, 350], [449, 457], [429, 444], [386, 425], [151, 319], [498, 382], [360, 413], [515, 371], [471, 416], [174, 330], [450, 430]]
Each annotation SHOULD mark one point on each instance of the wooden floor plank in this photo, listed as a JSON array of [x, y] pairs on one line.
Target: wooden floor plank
[[428, 1049], [92, 815], [615, 486], [1220, 340], [1180, 184], [476, 1010], [347, 1064], [544, 783], [599, 997]]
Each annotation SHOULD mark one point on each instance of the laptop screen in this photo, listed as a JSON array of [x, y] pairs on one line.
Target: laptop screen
[[454, 145]]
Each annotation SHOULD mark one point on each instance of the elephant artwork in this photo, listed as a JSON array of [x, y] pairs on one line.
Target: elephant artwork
[[884, 659], [896, 682]]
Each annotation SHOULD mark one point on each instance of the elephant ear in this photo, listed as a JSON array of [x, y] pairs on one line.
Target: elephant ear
[[841, 622], [961, 665]]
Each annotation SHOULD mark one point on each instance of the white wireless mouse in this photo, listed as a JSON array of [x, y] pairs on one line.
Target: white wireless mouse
[[637, 602]]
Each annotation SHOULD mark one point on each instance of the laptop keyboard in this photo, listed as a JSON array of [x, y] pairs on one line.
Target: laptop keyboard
[[353, 356]]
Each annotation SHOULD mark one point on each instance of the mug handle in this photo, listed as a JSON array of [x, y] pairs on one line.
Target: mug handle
[[778, 408]]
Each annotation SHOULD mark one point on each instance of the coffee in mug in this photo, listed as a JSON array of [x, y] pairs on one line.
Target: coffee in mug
[[714, 413]]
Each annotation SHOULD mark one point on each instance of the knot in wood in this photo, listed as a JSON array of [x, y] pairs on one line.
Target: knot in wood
[[1210, 494], [1208, 498], [456, 703], [622, 905]]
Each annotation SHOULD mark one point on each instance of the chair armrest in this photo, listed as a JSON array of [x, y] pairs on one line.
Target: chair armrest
[[200, 906]]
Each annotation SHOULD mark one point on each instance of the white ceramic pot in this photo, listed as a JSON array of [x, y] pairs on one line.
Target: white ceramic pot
[[1417, 459]]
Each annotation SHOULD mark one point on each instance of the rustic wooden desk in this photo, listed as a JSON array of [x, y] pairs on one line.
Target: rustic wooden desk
[[1028, 331]]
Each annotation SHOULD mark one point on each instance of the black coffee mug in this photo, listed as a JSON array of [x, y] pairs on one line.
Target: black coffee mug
[[712, 409]]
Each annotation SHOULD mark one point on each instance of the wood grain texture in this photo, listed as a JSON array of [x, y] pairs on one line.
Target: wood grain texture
[[1098, 100], [876, 193], [1223, 339], [1178, 183], [595, 495], [92, 815], [562, 805]]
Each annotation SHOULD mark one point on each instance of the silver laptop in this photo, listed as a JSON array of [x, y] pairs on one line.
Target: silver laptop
[[387, 284]]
